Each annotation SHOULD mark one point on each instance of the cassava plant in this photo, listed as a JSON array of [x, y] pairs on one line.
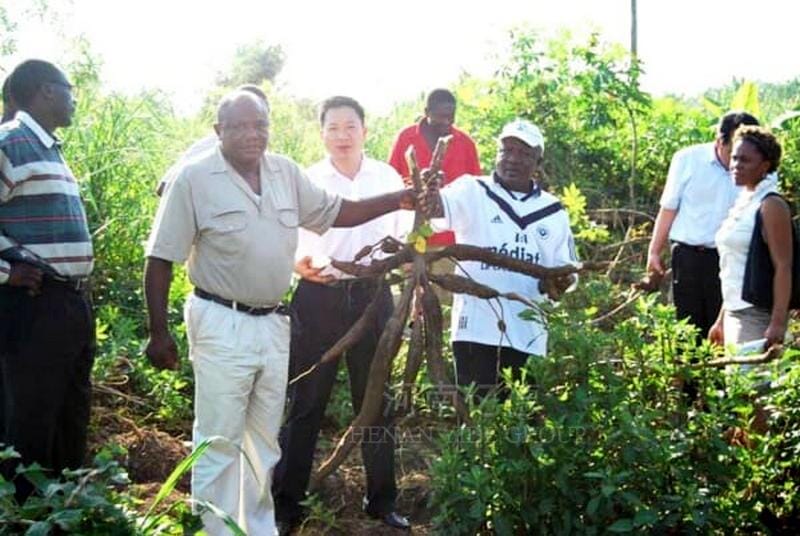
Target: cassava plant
[[425, 345]]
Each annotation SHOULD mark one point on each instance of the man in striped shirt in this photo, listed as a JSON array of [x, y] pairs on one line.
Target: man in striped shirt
[[46, 323]]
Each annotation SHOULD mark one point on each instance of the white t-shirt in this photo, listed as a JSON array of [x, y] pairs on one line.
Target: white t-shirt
[[374, 178], [533, 227]]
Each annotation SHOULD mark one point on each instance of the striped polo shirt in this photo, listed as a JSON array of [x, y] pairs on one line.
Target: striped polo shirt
[[42, 220]]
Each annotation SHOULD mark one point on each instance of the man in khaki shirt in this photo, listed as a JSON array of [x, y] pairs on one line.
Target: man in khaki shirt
[[233, 216]]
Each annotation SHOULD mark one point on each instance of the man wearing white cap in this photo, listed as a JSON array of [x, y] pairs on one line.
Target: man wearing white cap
[[509, 213]]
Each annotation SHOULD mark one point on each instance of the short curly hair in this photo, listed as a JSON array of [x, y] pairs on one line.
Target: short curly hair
[[764, 141]]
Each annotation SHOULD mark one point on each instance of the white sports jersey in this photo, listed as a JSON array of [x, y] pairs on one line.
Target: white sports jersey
[[533, 227]]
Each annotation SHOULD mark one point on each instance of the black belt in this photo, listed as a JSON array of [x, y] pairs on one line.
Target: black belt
[[365, 282], [75, 284], [699, 249], [239, 306]]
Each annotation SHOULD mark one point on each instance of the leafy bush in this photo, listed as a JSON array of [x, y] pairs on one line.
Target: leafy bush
[[775, 459], [87, 501], [600, 436], [95, 501]]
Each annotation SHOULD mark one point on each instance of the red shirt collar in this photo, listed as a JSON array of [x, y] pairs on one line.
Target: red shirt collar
[[421, 121]]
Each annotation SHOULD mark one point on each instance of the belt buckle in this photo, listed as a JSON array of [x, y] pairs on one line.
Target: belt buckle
[[78, 284], [241, 308]]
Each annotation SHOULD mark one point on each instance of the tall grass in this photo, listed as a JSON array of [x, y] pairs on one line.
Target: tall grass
[[118, 148]]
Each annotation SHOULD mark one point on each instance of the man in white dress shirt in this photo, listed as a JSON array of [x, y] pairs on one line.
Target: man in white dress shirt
[[696, 199], [327, 303]]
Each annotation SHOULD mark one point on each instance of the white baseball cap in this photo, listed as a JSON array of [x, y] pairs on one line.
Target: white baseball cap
[[524, 131]]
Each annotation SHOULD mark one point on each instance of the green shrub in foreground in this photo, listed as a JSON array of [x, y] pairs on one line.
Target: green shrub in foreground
[[96, 501], [605, 440]]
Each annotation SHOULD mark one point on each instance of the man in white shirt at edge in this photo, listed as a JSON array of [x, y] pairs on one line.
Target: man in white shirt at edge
[[326, 304], [697, 196], [507, 213]]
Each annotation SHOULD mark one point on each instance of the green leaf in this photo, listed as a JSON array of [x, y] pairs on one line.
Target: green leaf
[[644, 517], [172, 481], [235, 529], [502, 526], [746, 98], [7, 489], [712, 106], [40, 528], [591, 508], [35, 474], [477, 510], [8, 453], [67, 519], [425, 230], [785, 119], [621, 525]]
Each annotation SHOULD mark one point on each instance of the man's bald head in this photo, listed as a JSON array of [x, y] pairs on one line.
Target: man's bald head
[[243, 128], [239, 97], [255, 90]]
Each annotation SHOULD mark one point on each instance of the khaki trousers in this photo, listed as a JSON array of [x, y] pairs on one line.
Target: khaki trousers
[[240, 366]]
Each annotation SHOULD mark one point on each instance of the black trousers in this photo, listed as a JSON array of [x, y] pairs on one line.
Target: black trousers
[[480, 364], [322, 315], [47, 345], [696, 287]]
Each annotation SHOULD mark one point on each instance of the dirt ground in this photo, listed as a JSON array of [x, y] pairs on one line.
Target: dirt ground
[[342, 493], [335, 508]]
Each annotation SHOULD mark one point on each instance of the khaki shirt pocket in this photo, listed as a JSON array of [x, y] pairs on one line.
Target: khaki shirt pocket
[[288, 214], [286, 210], [289, 217], [226, 230]]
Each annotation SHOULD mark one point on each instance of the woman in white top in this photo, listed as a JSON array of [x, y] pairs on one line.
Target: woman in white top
[[756, 155]]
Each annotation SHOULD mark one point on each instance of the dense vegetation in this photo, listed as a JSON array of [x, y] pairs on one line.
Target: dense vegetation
[[599, 436]]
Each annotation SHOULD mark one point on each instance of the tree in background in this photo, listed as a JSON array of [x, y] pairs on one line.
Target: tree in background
[[252, 64], [7, 34]]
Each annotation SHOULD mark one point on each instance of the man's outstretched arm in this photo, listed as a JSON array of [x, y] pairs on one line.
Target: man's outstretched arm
[[352, 213]]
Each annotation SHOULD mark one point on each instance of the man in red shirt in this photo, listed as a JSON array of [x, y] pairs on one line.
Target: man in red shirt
[[461, 157]]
